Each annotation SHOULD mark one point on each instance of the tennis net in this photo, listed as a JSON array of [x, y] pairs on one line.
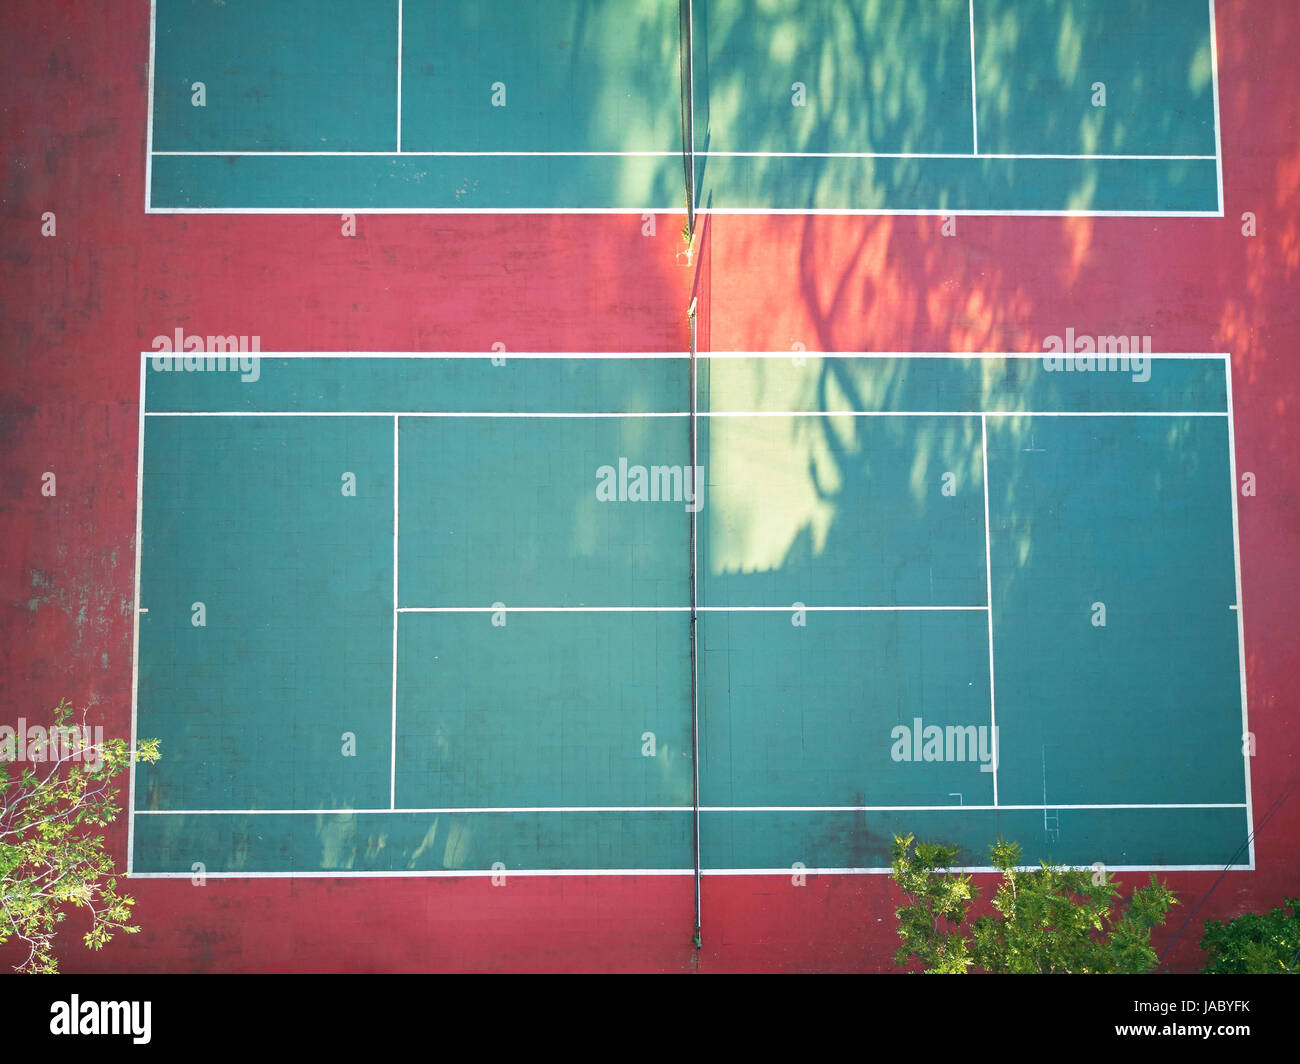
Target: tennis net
[[698, 481], [687, 62]]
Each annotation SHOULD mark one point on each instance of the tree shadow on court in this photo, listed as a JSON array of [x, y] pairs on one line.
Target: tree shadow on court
[[81, 307], [827, 80], [849, 284], [822, 78]]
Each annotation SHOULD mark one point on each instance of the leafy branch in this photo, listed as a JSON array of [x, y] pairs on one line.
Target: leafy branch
[[1052, 919], [51, 859]]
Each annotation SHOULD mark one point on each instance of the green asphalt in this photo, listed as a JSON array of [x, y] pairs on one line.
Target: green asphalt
[[525, 693], [562, 105]]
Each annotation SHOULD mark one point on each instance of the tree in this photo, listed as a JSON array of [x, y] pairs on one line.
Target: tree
[[931, 925], [1255, 945], [1052, 919], [50, 859]]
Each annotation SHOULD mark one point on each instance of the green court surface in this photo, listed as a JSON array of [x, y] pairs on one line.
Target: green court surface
[[446, 623], [887, 106]]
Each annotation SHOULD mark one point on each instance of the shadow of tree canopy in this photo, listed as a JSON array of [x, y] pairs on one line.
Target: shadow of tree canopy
[[825, 80]]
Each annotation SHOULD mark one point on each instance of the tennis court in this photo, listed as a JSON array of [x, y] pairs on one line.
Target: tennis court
[[432, 614], [1090, 107]]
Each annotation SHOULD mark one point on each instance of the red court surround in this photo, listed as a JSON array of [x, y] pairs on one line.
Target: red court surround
[[76, 310]]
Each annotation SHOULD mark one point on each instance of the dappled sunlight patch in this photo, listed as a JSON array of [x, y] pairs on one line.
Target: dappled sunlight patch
[[1288, 200], [1018, 431], [984, 319], [1084, 194], [1091, 127], [425, 843], [455, 846], [1069, 46], [337, 834], [997, 84], [1270, 258], [769, 484], [1200, 72], [1077, 234], [800, 382]]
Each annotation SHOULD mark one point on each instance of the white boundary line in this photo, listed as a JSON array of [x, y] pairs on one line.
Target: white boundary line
[[964, 356], [603, 872], [924, 212], [988, 572], [1009, 156], [880, 871], [420, 413], [399, 76], [884, 212], [632, 356], [256, 154], [995, 808], [700, 482], [548, 609], [148, 137], [682, 413], [929, 212], [1218, 140], [515, 809], [1241, 623], [135, 630], [974, 110], [687, 609], [782, 872], [438, 811], [467, 874], [392, 773]]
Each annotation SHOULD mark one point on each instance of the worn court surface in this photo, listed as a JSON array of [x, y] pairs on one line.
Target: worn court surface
[[962, 106], [860, 514], [80, 307]]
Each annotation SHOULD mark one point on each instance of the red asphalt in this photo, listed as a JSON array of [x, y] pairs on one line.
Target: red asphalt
[[76, 310]]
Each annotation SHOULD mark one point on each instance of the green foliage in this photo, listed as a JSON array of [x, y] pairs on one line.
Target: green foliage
[[51, 860], [1255, 945], [930, 926], [1048, 920]]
